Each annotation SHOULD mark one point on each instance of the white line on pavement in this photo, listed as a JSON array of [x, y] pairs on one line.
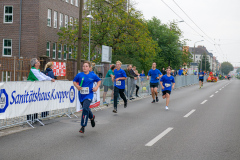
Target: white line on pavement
[[220, 89], [216, 92], [152, 142], [187, 115], [204, 101], [211, 95]]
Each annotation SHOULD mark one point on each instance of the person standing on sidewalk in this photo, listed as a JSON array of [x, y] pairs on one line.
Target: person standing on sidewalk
[[167, 82], [108, 83], [131, 85], [84, 83], [119, 85], [154, 82]]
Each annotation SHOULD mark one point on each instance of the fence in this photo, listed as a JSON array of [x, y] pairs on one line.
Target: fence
[[144, 90]]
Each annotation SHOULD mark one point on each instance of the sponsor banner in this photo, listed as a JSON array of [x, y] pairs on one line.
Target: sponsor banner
[[59, 68], [95, 100], [23, 98]]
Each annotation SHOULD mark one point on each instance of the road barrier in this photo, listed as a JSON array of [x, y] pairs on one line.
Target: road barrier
[[30, 102]]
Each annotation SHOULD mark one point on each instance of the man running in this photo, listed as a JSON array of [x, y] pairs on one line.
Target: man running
[[155, 76], [167, 82], [108, 83], [84, 83], [201, 78], [119, 85]]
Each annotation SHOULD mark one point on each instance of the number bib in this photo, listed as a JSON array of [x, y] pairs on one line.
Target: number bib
[[85, 90], [167, 84], [118, 83]]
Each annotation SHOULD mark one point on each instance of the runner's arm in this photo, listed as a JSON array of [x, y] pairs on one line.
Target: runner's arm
[[77, 86], [173, 85], [161, 83], [96, 88]]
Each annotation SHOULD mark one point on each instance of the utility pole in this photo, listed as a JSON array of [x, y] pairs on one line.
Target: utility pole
[[79, 55]]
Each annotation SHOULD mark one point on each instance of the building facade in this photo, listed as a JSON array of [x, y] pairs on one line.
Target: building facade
[[29, 28]]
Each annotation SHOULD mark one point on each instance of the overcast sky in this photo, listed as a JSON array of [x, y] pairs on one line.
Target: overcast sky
[[218, 19]]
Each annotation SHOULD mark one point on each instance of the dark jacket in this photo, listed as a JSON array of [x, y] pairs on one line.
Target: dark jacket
[[129, 74], [133, 73], [49, 73]]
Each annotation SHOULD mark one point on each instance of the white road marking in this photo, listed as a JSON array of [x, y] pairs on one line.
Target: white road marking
[[220, 89], [216, 92], [204, 101], [211, 95], [187, 115], [160, 136]]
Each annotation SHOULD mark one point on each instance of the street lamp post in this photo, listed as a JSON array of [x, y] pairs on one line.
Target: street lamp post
[[90, 18]]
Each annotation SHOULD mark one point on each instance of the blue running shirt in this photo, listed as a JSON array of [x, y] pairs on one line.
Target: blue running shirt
[[89, 79], [167, 82], [118, 74], [154, 74]]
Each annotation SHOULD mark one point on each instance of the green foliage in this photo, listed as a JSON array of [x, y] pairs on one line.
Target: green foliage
[[226, 67], [238, 70], [126, 32], [168, 39], [204, 57]]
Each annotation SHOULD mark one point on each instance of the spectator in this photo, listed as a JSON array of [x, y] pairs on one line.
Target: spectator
[[137, 87], [163, 71], [185, 72], [108, 83], [180, 71], [36, 75], [142, 76], [48, 70], [130, 81], [132, 72], [94, 69]]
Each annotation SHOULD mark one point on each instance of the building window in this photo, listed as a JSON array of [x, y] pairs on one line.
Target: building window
[[70, 53], [60, 20], [55, 19], [49, 18], [8, 14], [66, 21], [85, 4], [7, 47], [54, 51], [59, 51], [6, 76], [72, 2], [48, 49], [67, 1], [76, 3], [65, 52], [71, 21], [196, 56]]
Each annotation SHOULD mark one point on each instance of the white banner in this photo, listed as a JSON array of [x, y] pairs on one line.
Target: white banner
[[95, 100], [23, 98]]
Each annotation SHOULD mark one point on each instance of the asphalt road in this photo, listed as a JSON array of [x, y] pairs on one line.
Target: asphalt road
[[201, 124]]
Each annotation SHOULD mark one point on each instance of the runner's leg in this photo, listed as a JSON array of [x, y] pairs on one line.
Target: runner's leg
[[86, 113]]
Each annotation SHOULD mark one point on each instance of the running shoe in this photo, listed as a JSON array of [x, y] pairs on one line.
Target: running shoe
[[93, 121], [125, 105], [114, 111], [137, 95], [112, 101], [105, 103], [82, 130], [166, 107], [157, 99], [153, 101]]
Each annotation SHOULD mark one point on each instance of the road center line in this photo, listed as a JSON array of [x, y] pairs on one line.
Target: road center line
[[204, 101], [160, 136], [211, 95], [216, 92], [187, 115], [220, 89]]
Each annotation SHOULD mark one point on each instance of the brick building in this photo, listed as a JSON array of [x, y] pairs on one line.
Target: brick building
[[30, 30]]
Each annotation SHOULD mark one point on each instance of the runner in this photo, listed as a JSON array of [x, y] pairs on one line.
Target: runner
[[108, 83], [201, 78], [155, 76], [86, 80], [229, 77], [119, 85], [167, 82]]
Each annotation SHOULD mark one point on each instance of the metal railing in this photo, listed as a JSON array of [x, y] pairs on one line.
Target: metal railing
[[130, 90]]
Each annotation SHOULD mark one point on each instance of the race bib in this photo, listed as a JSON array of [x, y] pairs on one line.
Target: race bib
[[200, 75], [118, 83], [167, 84], [85, 90]]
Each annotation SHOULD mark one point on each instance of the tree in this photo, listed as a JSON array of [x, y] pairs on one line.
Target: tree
[[226, 67], [238, 70], [202, 65], [187, 58], [167, 38], [126, 32]]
